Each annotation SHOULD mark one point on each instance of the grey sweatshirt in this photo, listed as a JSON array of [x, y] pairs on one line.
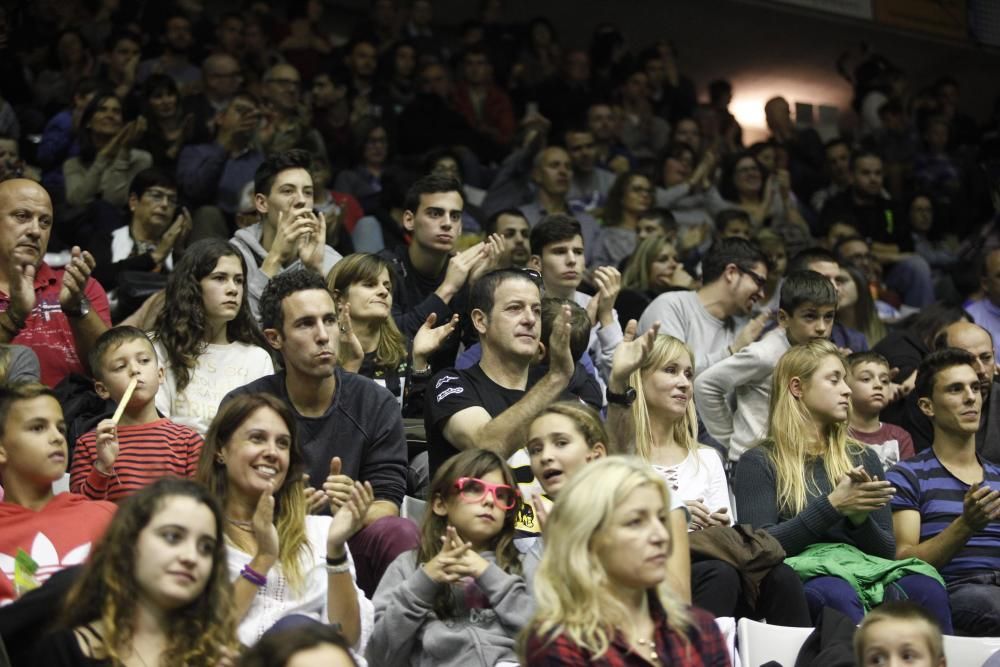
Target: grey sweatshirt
[[248, 242], [492, 611]]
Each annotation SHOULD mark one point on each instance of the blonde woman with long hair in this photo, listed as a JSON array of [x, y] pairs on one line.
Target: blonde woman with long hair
[[807, 483], [601, 591]]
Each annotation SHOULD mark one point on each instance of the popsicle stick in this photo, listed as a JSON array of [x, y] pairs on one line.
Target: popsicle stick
[[125, 399]]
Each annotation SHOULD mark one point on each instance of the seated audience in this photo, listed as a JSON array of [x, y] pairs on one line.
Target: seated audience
[[806, 312], [54, 531], [511, 224], [825, 263], [856, 309], [282, 561], [655, 267], [291, 646], [207, 340], [58, 313], [340, 415], [986, 311], [713, 320], [870, 383], [154, 590], [823, 496], [120, 457], [463, 596], [948, 497], [289, 235], [601, 589]]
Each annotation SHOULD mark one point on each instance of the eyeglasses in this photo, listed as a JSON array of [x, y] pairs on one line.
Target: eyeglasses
[[473, 490], [158, 196], [758, 279]]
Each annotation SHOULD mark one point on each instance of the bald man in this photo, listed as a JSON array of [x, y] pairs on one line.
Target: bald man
[[977, 341], [58, 313], [282, 98]]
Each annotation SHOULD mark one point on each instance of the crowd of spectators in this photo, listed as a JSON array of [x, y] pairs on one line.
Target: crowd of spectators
[[478, 348]]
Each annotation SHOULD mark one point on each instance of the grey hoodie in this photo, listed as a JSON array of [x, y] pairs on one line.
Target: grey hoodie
[[492, 611], [248, 242]]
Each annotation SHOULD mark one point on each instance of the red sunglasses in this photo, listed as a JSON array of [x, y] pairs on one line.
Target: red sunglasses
[[473, 490]]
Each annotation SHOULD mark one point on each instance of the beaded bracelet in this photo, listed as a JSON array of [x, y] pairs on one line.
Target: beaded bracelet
[[253, 576]]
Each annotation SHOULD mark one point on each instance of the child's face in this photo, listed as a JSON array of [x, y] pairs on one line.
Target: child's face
[[808, 322], [647, 227], [477, 522], [558, 450], [891, 642], [133, 358], [33, 443], [174, 553], [869, 383], [826, 394]]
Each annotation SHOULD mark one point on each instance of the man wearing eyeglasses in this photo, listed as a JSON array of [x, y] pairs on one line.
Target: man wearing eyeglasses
[[714, 320], [147, 242]]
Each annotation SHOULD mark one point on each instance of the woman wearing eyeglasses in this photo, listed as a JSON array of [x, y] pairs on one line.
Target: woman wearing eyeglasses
[[463, 596]]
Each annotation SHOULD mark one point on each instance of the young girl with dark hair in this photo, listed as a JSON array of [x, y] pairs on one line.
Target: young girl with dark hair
[[205, 336], [462, 596], [155, 590]]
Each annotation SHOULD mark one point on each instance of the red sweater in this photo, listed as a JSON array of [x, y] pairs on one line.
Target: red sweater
[[56, 537], [146, 452]]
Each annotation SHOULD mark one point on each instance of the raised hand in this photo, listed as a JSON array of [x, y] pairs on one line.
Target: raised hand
[[264, 530], [291, 232], [467, 562], [75, 275], [541, 512], [494, 247], [350, 354], [22, 292], [350, 517], [177, 230], [980, 506], [751, 331], [608, 281], [631, 353], [337, 486], [452, 549], [312, 245], [316, 499], [855, 499], [459, 267], [429, 338], [107, 446], [560, 357]]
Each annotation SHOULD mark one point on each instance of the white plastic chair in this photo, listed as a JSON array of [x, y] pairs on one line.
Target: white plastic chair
[[969, 651], [413, 509], [762, 642]]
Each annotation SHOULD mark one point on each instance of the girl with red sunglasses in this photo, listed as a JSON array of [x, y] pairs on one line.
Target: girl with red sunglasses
[[462, 597]]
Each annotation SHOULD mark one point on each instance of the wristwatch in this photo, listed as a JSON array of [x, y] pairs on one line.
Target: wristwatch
[[626, 398], [81, 311]]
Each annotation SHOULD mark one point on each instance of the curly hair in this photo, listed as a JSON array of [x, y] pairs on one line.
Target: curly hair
[[469, 463], [181, 326], [107, 590], [289, 499], [361, 268]]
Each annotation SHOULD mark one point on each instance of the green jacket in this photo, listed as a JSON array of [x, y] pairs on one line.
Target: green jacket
[[868, 575]]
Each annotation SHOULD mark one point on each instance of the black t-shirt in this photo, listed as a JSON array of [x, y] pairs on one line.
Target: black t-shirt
[[879, 221], [452, 391]]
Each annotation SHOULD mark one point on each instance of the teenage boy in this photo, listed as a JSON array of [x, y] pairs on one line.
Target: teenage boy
[[115, 460], [870, 385], [825, 263], [947, 498], [807, 306], [56, 531], [290, 234], [713, 321], [428, 277], [557, 252]]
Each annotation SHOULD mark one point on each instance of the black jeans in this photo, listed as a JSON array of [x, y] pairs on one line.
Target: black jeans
[[716, 587]]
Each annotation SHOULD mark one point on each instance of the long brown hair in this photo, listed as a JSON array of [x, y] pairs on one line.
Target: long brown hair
[[470, 463], [289, 500], [107, 589]]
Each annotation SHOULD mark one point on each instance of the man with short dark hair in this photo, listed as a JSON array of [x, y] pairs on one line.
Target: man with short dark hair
[[713, 321], [290, 235], [511, 224], [485, 106], [349, 427], [947, 498], [428, 278], [838, 170], [589, 184]]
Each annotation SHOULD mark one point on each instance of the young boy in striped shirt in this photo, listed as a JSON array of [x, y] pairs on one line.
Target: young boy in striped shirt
[[115, 460]]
